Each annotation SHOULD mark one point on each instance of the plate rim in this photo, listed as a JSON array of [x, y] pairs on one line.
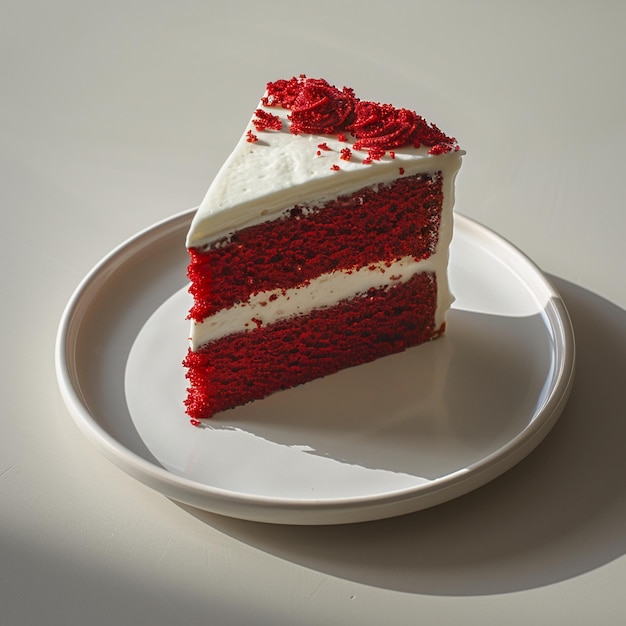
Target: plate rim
[[310, 511]]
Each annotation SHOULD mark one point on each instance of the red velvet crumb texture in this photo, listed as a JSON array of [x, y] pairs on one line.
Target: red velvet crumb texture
[[399, 219], [316, 107], [249, 366]]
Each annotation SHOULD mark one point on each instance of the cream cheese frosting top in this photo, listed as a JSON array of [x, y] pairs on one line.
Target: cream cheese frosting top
[[260, 179]]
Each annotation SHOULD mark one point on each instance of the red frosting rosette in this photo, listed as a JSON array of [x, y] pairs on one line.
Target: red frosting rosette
[[320, 108], [383, 126]]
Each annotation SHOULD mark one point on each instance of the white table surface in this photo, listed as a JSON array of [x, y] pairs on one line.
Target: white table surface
[[118, 114]]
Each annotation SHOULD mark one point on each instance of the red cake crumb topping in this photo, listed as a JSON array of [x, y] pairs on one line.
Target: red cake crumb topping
[[335, 167], [346, 154], [265, 121], [282, 93], [320, 108], [323, 146], [251, 137]]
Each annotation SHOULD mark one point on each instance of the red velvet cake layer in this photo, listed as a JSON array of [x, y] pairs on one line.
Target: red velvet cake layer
[[251, 365], [398, 219]]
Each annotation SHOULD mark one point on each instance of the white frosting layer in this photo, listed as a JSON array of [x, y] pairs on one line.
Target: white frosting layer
[[326, 290], [259, 180]]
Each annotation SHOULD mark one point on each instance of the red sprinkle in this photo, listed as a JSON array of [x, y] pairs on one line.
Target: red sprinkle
[[401, 170], [323, 146], [376, 153], [335, 167], [346, 154], [438, 149], [251, 137]]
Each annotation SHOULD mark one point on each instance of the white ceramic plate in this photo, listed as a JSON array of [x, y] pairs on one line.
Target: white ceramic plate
[[401, 434]]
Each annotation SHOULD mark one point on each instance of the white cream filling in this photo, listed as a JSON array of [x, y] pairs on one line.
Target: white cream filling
[[326, 290]]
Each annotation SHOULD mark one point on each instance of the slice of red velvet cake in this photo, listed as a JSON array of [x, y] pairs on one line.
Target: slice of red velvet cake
[[321, 244]]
